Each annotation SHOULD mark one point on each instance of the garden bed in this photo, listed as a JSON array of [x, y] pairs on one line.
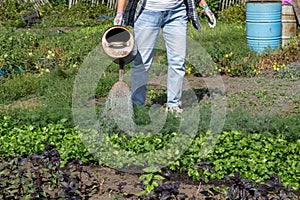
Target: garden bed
[[45, 180], [108, 183], [260, 138]]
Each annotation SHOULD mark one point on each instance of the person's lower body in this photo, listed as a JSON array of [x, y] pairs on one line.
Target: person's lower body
[[146, 31]]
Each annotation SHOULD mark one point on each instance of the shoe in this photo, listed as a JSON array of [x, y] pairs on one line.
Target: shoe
[[175, 109]]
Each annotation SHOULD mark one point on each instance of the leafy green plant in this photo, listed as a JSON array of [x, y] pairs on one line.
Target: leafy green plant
[[235, 13], [57, 2], [21, 139], [11, 10], [213, 5], [202, 169], [150, 179], [18, 87], [276, 61], [79, 15], [290, 71], [254, 156]]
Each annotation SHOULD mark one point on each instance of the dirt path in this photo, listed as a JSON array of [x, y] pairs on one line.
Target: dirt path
[[258, 95], [109, 181]]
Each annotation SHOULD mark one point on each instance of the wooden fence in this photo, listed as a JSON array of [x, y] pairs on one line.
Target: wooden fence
[[296, 5], [38, 3], [109, 3], [225, 3], [113, 3]]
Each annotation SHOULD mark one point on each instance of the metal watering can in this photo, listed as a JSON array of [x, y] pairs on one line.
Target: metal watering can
[[118, 43]]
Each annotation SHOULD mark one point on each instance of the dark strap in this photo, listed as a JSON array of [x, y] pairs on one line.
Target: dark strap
[[128, 18]]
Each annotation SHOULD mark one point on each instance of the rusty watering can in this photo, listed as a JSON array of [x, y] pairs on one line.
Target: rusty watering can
[[118, 44]]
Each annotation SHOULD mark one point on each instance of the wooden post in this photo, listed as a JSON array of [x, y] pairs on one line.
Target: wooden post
[[296, 6], [70, 3]]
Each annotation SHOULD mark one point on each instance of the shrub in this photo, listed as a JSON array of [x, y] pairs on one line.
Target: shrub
[[57, 2], [10, 11], [235, 13], [78, 15], [18, 87]]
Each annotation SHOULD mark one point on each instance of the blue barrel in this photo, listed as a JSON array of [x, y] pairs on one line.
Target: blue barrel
[[263, 25]]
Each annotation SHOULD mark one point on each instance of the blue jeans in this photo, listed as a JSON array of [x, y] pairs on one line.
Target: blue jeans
[[146, 31]]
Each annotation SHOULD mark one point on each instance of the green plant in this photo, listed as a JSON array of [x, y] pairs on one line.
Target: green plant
[[50, 64], [233, 58], [79, 15], [213, 5], [277, 60], [25, 139], [254, 156], [11, 10], [290, 71], [235, 13], [18, 87], [150, 179], [57, 2]]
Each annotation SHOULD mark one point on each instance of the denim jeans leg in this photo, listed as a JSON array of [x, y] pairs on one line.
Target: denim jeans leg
[[146, 31], [175, 33]]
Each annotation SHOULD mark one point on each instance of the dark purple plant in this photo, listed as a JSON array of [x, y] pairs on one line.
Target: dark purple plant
[[166, 191], [239, 187]]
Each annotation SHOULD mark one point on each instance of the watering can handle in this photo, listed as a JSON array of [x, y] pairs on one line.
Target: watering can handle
[[118, 44]]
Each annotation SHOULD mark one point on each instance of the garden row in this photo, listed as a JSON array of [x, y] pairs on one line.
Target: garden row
[[254, 156]]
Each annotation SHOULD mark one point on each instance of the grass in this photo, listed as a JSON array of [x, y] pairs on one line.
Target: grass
[[264, 96], [52, 56], [52, 90]]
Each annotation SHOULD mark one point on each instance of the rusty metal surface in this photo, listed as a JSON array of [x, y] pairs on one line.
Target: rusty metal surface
[[296, 5], [289, 24], [118, 44], [120, 89]]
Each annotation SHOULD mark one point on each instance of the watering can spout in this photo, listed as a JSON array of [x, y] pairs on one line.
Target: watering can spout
[[118, 43]]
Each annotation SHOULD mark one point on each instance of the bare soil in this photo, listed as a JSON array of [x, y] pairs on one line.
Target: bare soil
[[109, 180], [258, 95]]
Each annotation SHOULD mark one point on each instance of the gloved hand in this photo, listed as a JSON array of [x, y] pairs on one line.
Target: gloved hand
[[118, 19], [211, 17]]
